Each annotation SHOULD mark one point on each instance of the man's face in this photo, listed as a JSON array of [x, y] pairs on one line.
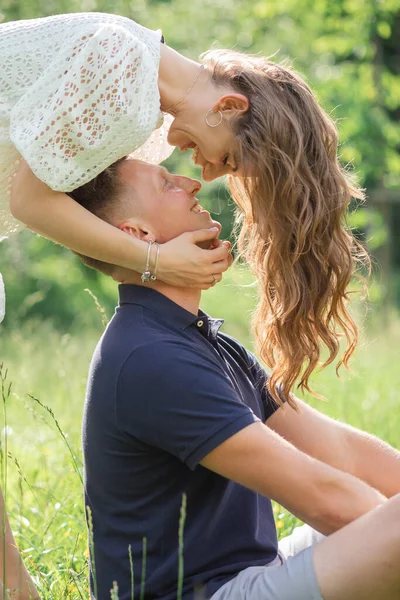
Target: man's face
[[167, 203]]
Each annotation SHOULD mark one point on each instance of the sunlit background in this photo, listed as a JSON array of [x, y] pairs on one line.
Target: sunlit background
[[349, 51]]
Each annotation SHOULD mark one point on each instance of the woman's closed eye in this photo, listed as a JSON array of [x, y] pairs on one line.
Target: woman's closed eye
[[226, 164]]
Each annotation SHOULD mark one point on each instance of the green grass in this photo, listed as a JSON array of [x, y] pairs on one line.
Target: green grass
[[48, 368]]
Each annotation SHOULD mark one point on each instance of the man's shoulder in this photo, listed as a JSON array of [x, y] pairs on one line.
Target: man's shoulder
[[247, 361], [145, 344], [236, 348]]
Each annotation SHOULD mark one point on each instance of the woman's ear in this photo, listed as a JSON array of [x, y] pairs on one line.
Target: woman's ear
[[232, 104]]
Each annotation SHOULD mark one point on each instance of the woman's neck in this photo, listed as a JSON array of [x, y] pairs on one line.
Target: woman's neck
[[176, 75]]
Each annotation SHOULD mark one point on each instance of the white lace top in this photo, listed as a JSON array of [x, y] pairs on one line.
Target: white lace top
[[77, 92]]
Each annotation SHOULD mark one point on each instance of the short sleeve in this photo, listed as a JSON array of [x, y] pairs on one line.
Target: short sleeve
[[178, 400], [95, 103], [260, 379]]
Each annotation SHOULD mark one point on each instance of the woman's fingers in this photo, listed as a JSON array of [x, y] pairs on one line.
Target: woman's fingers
[[215, 255], [209, 281], [217, 243], [203, 235], [228, 246], [220, 266]]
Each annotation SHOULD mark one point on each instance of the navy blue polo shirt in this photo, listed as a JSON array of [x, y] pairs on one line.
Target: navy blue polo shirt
[[165, 388]]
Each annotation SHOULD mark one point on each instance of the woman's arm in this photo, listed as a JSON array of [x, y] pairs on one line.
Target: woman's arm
[[16, 578], [58, 217]]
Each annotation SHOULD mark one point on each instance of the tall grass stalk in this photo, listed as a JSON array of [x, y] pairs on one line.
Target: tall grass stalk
[[114, 591], [181, 565], [132, 573], [100, 308], [91, 546], [144, 560], [5, 395], [64, 437]]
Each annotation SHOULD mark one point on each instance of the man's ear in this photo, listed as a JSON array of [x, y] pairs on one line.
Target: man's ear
[[137, 230], [232, 104]]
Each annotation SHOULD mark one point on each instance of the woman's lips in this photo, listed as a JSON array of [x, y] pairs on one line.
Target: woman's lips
[[189, 146], [195, 154], [204, 172]]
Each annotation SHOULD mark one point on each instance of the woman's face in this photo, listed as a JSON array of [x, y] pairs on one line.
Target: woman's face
[[215, 149]]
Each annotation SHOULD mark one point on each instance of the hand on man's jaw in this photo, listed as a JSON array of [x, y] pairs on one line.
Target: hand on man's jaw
[[128, 276], [149, 203], [160, 206]]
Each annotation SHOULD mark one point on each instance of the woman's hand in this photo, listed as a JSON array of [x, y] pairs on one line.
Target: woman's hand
[[183, 263]]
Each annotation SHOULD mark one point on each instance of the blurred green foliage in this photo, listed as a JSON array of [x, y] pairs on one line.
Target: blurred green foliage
[[349, 51]]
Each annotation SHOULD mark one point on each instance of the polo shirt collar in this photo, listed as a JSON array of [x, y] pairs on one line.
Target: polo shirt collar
[[160, 304]]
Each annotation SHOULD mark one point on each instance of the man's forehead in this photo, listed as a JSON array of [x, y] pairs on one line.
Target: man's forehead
[[133, 169]]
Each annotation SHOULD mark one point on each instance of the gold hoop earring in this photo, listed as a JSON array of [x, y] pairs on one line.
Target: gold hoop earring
[[220, 118]]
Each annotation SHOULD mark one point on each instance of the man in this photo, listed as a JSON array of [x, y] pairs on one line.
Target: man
[[181, 440]]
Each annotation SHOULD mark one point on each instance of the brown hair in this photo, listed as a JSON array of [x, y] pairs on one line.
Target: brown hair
[[293, 200], [99, 196]]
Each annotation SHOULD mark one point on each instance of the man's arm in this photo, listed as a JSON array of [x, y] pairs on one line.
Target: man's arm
[[320, 495], [341, 446], [192, 411]]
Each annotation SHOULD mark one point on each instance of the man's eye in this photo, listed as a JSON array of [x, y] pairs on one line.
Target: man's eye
[[225, 160]]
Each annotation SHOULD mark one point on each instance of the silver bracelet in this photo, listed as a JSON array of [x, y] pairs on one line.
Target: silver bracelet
[[153, 277], [146, 275]]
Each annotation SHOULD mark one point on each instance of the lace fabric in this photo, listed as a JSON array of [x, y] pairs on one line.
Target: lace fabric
[[77, 92]]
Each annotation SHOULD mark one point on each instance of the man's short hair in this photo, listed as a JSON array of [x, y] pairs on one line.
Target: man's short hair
[[100, 197]]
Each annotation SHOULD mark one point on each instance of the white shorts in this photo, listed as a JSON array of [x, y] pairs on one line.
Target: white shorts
[[291, 576]]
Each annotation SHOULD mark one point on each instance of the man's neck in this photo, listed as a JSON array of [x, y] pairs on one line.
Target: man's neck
[[187, 298]]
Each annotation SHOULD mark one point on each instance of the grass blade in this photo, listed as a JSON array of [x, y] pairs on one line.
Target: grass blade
[[182, 520], [144, 560]]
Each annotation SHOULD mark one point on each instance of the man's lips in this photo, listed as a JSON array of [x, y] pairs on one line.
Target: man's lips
[[197, 208]]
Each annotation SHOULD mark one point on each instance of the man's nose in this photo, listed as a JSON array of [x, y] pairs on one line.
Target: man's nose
[[192, 186]]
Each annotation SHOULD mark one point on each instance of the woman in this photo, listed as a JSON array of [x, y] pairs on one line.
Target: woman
[[16, 579], [80, 91]]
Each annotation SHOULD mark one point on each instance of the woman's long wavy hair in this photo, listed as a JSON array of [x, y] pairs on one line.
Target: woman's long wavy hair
[[292, 199]]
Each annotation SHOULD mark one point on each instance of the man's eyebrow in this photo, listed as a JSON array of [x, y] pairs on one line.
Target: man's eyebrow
[[162, 177], [164, 171]]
